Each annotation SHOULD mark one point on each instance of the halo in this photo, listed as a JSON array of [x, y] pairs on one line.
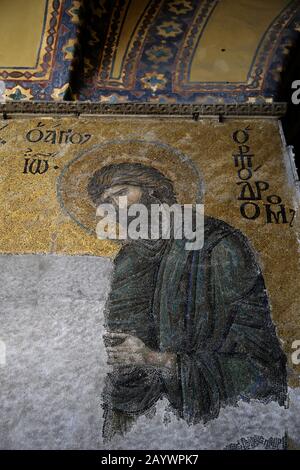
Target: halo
[[73, 180]]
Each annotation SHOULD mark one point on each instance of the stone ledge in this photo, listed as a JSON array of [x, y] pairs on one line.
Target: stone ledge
[[193, 110]]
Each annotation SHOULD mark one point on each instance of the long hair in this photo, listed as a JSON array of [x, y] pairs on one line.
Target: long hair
[[136, 174]]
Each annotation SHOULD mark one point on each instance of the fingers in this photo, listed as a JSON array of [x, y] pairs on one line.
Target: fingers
[[112, 335], [115, 354], [114, 339], [118, 350], [118, 359], [115, 362], [114, 359]]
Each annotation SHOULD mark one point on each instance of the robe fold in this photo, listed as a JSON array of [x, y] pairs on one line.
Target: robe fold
[[210, 308]]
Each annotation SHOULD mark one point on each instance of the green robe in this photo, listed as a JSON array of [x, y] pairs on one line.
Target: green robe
[[210, 308]]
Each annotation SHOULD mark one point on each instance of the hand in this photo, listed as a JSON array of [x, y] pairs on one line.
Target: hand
[[126, 349]]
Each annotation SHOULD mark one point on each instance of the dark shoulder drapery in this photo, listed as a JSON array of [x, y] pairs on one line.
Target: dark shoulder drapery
[[220, 327], [210, 308]]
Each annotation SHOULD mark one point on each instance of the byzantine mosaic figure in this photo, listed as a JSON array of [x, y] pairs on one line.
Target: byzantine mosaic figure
[[192, 326]]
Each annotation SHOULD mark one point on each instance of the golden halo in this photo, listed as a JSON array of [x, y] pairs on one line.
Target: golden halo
[[73, 181]]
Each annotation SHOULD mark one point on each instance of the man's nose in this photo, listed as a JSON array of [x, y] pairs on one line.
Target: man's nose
[[101, 212], [105, 199]]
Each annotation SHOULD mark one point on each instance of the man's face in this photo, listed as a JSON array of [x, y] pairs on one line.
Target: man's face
[[111, 195], [133, 195]]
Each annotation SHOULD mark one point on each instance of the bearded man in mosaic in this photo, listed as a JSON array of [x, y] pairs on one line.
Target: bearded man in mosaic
[[192, 326]]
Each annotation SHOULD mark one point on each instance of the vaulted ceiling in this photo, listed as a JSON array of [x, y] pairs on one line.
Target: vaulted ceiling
[[146, 50]]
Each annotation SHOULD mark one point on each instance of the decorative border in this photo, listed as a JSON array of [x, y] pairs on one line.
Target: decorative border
[[155, 68], [132, 56], [186, 51], [58, 53], [260, 64], [193, 110], [42, 70]]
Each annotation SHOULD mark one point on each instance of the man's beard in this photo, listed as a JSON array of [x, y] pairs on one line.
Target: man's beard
[[147, 200]]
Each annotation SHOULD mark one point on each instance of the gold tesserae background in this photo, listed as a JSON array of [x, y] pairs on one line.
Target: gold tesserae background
[[46, 164]]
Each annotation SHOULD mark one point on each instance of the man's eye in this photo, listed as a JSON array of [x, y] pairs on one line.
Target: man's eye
[[121, 192]]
